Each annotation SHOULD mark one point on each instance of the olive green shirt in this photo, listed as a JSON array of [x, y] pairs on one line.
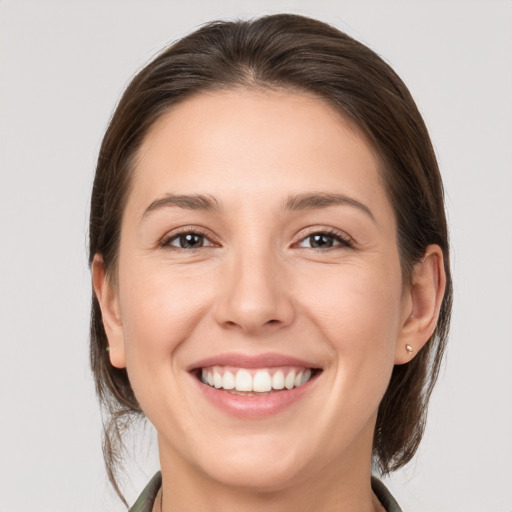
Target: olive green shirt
[[147, 498]]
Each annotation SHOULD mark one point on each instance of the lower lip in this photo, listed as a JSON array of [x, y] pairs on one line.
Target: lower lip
[[258, 406]]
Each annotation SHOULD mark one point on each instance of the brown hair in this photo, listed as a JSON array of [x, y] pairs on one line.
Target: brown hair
[[283, 51]]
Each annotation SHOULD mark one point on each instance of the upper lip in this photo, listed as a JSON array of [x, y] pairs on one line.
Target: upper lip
[[267, 360]]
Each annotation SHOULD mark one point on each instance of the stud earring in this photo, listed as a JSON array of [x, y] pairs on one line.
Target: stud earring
[[108, 349], [408, 348]]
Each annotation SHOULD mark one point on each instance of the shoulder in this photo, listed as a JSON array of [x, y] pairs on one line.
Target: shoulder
[[385, 497], [147, 497]]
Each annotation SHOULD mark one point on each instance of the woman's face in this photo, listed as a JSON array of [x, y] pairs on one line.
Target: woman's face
[[258, 251]]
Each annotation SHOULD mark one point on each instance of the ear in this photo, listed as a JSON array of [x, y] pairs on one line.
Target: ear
[[110, 312], [422, 304]]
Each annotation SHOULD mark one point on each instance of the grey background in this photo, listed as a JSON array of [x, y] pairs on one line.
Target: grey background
[[63, 66]]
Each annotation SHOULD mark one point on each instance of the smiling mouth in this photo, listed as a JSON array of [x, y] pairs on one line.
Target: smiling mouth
[[255, 381]]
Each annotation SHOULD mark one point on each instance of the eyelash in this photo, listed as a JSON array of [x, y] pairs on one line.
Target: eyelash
[[166, 242], [342, 239]]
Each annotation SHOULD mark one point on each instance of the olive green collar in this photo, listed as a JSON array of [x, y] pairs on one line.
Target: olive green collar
[[146, 500]]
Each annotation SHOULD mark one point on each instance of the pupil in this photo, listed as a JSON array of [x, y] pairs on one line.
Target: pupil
[[190, 240], [321, 241]]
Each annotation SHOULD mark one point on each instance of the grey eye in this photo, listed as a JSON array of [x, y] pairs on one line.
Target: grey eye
[[188, 241], [320, 241], [324, 240]]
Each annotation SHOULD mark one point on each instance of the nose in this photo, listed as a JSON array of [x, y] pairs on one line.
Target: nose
[[254, 296]]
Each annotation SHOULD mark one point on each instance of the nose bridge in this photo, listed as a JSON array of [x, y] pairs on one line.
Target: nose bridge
[[255, 297]]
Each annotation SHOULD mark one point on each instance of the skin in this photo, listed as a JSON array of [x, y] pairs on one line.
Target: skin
[[256, 286]]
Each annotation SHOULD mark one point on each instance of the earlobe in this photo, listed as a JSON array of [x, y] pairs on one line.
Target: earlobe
[[110, 312], [425, 298]]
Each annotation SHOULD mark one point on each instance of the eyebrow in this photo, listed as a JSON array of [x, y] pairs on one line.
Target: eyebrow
[[201, 202], [299, 202], [313, 201]]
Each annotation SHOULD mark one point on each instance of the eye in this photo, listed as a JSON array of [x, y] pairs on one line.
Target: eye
[[324, 240], [187, 240]]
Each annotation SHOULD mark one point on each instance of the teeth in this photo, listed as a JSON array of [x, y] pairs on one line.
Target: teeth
[[278, 380], [217, 380], [243, 381], [289, 381], [228, 381], [261, 382]]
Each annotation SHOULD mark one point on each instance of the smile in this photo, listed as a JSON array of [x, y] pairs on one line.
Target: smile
[[261, 380], [254, 386]]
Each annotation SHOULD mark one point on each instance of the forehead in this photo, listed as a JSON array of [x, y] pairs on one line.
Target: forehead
[[248, 141]]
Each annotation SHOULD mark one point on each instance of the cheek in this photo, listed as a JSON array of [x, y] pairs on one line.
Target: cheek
[[357, 306], [159, 310], [358, 312]]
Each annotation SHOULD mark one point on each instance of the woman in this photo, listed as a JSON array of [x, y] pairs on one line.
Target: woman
[[269, 256]]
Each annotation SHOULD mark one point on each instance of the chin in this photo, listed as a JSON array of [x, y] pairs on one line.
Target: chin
[[261, 474]]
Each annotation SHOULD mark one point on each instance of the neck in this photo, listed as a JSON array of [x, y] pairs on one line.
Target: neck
[[341, 485]]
